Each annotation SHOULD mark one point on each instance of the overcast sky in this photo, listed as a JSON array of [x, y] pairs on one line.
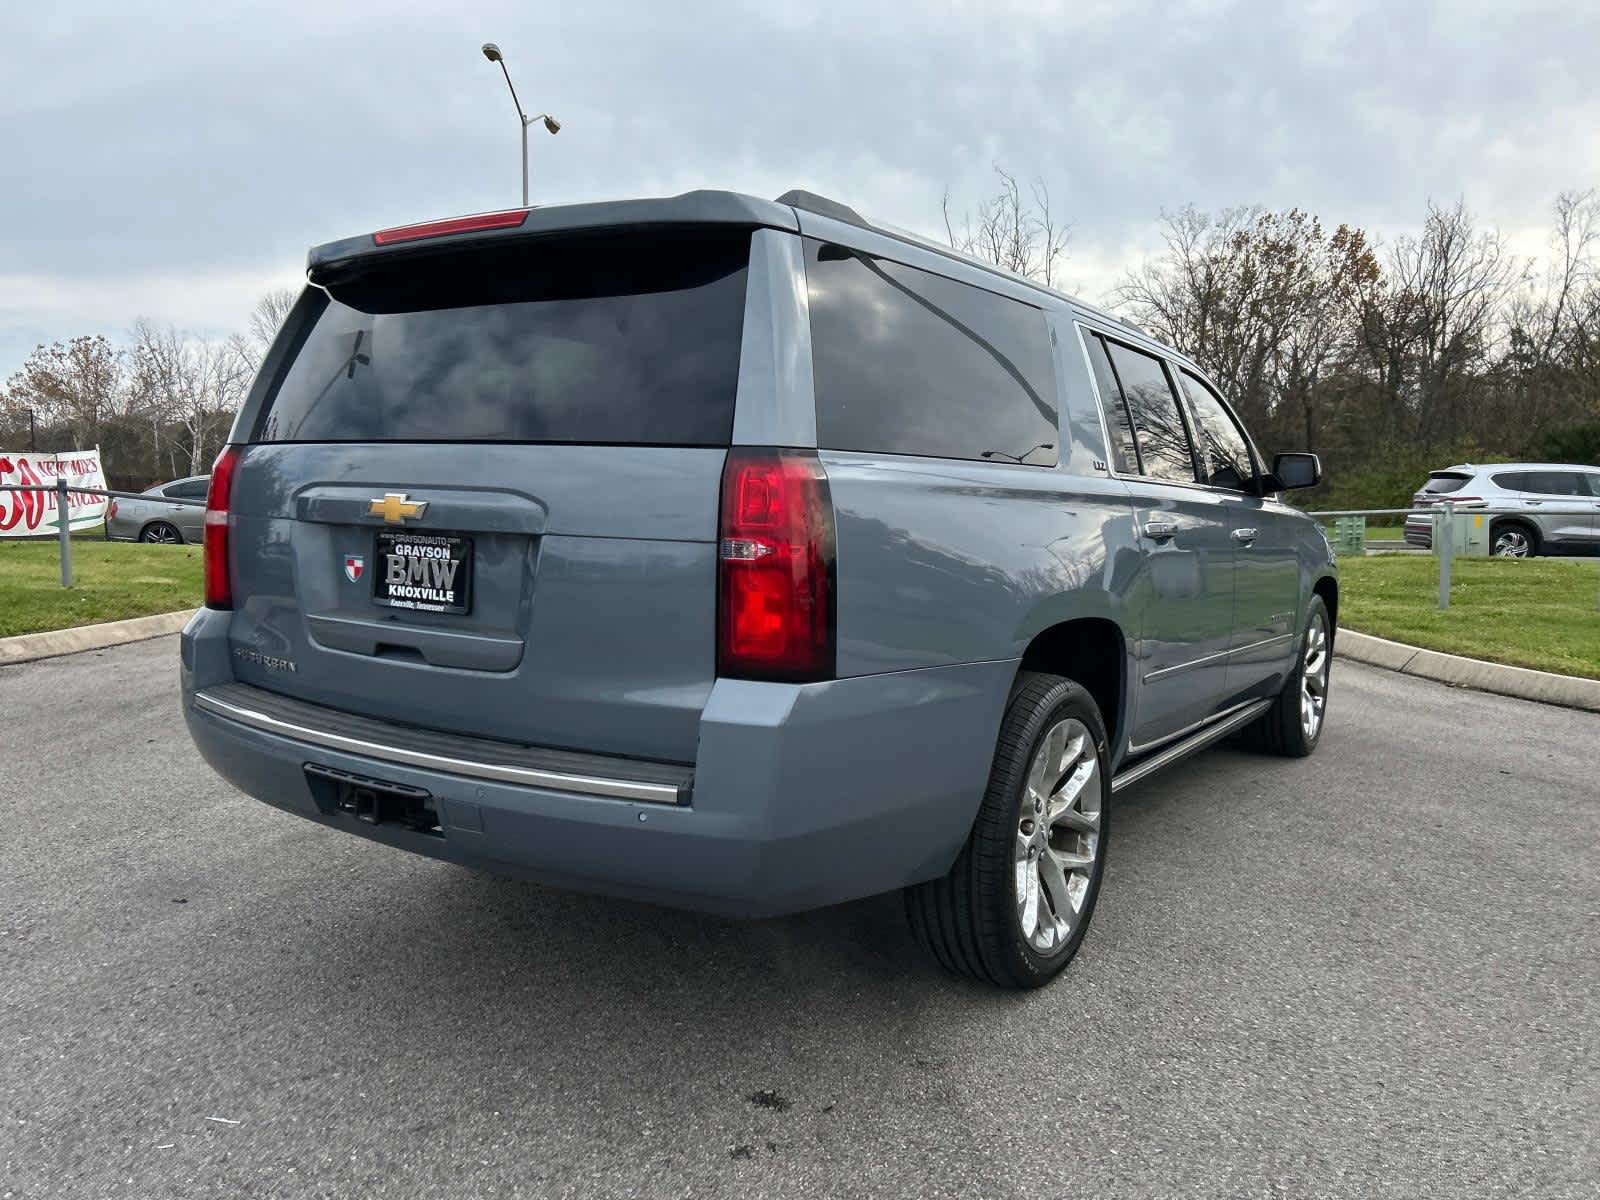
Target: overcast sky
[[174, 160]]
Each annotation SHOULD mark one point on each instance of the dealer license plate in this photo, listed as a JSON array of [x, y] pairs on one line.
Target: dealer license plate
[[423, 571]]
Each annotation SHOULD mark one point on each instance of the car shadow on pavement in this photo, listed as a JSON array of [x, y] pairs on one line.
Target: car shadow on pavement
[[433, 928]]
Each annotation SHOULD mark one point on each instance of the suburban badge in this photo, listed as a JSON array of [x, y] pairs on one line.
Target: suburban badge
[[353, 566]]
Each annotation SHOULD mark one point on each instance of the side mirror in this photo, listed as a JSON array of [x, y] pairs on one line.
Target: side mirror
[[1290, 471]]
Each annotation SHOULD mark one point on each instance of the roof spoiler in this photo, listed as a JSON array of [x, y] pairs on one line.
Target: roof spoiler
[[334, 262]]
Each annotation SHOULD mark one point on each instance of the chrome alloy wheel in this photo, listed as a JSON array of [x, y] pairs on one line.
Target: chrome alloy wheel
[[1058, 834], [161, 534], [1512, 543], [1314, 677]]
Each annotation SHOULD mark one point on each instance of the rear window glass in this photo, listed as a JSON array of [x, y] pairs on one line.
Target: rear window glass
[[1438, 485], [909, 362], [630, 339]]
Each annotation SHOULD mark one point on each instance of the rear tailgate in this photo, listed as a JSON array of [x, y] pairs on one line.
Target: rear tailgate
[[483, 496]]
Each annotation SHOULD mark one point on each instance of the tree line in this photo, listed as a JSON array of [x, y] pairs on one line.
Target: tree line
[[158, 403], [1443, 346]]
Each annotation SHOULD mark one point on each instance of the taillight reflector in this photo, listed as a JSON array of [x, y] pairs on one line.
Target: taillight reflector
[[775, 568], [431, 229], [219, 581]]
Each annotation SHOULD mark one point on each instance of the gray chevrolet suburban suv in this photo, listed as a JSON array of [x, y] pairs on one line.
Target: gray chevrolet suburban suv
[[746, 556]]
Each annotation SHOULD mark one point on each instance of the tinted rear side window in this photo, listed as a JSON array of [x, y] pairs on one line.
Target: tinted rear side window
[[627, 339], [1439, 485], [1124, 454], [1556, 483], [1163, 440], [1512, 481], [909, 362]]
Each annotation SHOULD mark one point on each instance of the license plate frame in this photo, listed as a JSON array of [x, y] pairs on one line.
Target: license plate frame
[[435, 572]]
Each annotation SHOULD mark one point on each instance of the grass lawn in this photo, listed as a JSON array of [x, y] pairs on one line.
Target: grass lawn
[[110, 581], [1527, 612], [1385, 533]]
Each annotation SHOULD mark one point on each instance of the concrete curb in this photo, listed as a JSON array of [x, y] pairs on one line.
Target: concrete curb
[[30, 646], [1545, 687]]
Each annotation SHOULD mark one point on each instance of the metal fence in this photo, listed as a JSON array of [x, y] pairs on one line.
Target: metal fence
[[62, 491], [1441, 518]]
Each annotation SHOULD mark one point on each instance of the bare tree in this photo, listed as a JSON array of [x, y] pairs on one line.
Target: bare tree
[[1265, 302], [1012, 230], [267, 318], [191, 382], [1436, 317], [1558, 307], [1550, 373]]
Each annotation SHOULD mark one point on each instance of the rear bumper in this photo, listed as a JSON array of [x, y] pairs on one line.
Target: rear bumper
[[1419, 532], [800, 796]]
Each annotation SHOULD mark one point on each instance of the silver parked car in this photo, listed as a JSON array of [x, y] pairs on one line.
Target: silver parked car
[[159, 514], [1557, 507]]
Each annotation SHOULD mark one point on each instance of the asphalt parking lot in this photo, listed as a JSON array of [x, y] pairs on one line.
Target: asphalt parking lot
[[1373, 972]]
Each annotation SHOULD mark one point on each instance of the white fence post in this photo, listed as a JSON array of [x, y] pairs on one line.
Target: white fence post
[[1445, 524]]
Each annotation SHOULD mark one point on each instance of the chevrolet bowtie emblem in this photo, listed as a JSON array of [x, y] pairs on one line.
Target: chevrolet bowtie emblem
[[395, 508]]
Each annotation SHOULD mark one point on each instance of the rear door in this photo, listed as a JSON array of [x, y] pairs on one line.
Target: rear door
[[482, 497], [1186, 593], [1560, 503], [189, 518]]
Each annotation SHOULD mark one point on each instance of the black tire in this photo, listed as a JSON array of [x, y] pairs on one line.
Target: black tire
[[969, 919], [1281, 729], [1509, 531], [161, 532]]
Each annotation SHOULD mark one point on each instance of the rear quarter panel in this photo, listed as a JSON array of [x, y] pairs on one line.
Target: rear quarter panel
[[944, 562]]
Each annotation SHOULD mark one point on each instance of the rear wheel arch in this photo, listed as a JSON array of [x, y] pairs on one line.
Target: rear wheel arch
[[1092, 652], [1522, 525]]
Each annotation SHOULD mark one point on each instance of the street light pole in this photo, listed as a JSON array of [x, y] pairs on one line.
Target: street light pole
[[33, 437], [492, 53]]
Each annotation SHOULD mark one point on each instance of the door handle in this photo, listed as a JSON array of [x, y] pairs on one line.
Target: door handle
[[1246, 536], [1160, 531]]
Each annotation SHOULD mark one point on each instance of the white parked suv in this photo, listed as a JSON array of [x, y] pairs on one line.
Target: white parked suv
[[1556, 507]]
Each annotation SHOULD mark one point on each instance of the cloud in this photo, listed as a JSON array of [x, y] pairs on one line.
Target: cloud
[[162, 166]]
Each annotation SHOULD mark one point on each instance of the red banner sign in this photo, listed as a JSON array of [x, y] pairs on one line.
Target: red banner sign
[[28, 514]]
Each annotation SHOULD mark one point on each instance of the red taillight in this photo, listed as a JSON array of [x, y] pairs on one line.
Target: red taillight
[[429, 229], [219, 582], [775, 557], [111, 510]]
